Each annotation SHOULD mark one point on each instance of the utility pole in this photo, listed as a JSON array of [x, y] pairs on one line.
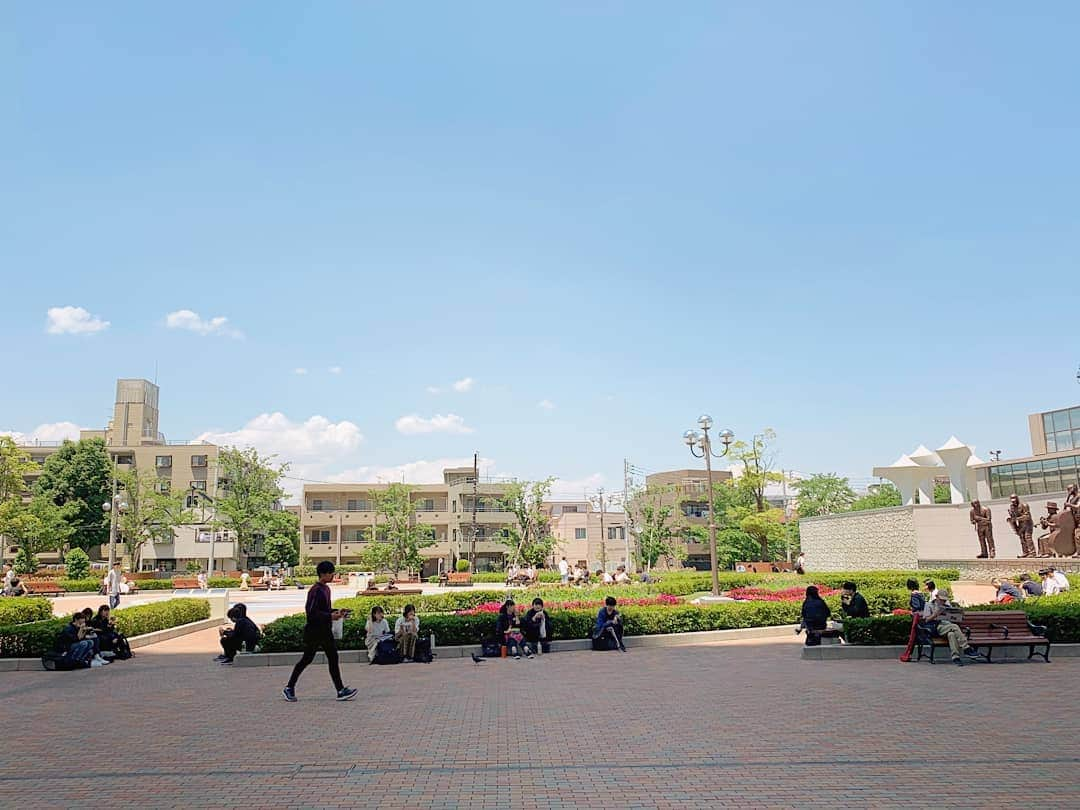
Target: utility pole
[[475, 494], [626, 513], [603, 537]]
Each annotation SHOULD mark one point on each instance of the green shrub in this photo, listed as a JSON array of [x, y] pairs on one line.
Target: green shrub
[[33, 639], [25, 563], [21, 610], [76, 564], [462, 566], [193, 567], [681, 583], [88, 585], [543, 575], [155, 584]]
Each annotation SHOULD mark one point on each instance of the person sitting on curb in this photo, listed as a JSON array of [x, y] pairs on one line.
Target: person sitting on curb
[[375, 630], [75, 647], [938, 624], [537, 627], [508, 631], [1029, 586], [243, 633], [111, 641], [406, 631], [608, 630], [815, 616], [1006, 591]]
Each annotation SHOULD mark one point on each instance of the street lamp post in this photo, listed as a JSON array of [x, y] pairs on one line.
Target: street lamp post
[[702, 442], [114, 506]]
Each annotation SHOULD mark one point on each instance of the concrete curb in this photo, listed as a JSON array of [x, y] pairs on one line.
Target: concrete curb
[[855, 652], [567, 645], [146, 639]]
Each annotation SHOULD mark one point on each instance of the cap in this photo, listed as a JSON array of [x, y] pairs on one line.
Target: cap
[[1051, 505]]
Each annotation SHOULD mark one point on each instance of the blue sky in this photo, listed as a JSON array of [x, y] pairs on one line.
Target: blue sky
[[850, 223]]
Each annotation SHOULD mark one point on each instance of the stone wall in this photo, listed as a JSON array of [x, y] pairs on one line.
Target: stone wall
[[985, 570], [861, 541]]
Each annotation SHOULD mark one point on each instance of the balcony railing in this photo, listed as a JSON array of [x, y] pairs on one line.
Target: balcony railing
[[486, 507]]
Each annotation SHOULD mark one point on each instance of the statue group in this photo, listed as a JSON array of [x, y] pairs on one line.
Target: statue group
[[1061, 527]]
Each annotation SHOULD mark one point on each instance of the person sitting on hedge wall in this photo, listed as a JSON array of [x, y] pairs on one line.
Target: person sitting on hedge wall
[[815, 616], [110, 639], [243, 633], [608, 630], [537, 627], [853, 603]]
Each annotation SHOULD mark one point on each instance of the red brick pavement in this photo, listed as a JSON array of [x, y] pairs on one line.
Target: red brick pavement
[[712, 726]]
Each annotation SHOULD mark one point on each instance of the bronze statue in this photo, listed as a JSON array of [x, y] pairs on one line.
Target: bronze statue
[[1072, 501], [1022, 524], [1059, 541], [980, 519]]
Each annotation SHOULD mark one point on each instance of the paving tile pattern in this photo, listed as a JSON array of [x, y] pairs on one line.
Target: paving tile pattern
[[734, 725]]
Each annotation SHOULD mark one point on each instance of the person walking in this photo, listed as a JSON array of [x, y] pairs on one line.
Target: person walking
[[318, 634], [112, 585]]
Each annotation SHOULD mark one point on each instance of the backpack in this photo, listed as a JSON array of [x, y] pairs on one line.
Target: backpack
[[60, 662], [491, 649], [423, 654], [387, 653]]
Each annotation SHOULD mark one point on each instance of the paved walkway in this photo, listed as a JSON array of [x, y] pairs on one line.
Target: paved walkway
[[746, 725]]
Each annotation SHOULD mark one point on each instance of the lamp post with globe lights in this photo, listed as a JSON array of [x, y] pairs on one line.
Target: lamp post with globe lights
[[700, 441], [113, 507]]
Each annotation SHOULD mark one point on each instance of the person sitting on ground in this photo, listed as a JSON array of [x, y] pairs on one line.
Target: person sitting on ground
[[938, 624], [390, 586], [583, 575], [621, 577], [508, 630], [90, 634], [112, 641], [406, 631], [1006, 591], [1060, 578], [853, 603], [243, 633], [375, 630], [604, 576], [1029, 586], [608, 631], [77, 650], [15, 587], [917, 599], [537, 627], [1049, 584], [646, 577], [815, 616]]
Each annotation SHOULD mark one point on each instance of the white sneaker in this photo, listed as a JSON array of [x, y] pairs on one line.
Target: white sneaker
[[97, 662], [100, 660]]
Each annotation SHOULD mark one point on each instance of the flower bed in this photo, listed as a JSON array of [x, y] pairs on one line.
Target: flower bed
[[785, 595], [32, 639], [681, 583]]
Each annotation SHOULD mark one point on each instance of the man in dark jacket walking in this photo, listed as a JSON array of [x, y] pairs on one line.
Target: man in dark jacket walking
[[318, 634]]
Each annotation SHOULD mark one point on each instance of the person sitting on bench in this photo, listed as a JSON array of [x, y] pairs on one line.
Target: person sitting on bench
[[243, 633], [815, 616], [938, 624], [608, 631]]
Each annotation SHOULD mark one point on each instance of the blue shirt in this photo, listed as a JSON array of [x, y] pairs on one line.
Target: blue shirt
[[603, 619]]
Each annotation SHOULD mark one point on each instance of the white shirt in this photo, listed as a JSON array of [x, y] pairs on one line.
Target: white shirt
[[1062, 581], [403, 624], [622, 576], [10, 575], [1050, 586], [564, 567], [608, 579], [112, 582]]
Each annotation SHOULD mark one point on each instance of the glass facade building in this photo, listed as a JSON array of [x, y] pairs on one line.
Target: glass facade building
[[1062, 429], [1037, 477]]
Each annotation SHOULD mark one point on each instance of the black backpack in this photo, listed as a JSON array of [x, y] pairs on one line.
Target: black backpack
[[423, 653], [386, 652], [60, 662]]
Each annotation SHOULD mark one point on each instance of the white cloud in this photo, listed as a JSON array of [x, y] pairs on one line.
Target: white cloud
[[193, 322], [577, 488], [300, 370], [72, 321], [334, 369], [546, 404], [49, 432], [413, 472], [317, 438], [413, 424], [463, 385]]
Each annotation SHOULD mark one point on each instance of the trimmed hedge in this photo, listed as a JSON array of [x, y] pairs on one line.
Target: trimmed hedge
[[1060, 614], [24, 609], [33, 639], [680, 583]]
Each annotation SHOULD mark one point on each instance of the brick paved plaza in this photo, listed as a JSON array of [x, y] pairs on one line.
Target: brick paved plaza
[[709, 726]]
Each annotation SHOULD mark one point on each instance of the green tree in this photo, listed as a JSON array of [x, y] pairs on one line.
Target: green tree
[[37, 526], [767, 528], [757, 459], [654, 522], [15, 465], [530, 540], [400, 528], [79, 474], [824, 494], [77, 564], [150, 515], [880, 496], [251, 494], [281, 543], [25, 563], [377, 556], [942, 493]]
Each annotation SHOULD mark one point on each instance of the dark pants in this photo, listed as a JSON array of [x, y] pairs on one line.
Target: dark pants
[[114, 600], [609, 637], [313, 640], [81, 651], [231, 645]]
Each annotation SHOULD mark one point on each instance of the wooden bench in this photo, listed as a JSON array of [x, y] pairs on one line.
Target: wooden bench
[[395, 592], [987, 629], [181, 583], [455, 579], [43, 587]]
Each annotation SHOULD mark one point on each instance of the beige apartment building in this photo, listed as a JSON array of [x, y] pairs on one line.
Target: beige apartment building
[[689, 495], [585, 536], [134, 442], [336, 520]]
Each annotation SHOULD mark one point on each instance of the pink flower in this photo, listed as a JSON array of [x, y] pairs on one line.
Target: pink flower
[[787, 595]]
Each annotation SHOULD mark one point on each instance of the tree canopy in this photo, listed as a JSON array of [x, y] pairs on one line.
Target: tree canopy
[[15, 466], [824, 494], [404, 535], [79, 475], [530, 540], [250, 494]]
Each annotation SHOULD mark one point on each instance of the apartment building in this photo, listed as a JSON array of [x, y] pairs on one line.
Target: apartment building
[[688, 491], [586, 536], [336, 520], [134, 442]]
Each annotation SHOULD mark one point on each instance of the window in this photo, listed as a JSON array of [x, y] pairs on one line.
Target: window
[[200, 486], [357, 535], [425, 505], [163, 461], [317, 505], [198, 461], [1034, 477], [1062, 429], [570, 508], [125, 459], [616, 533], [358, 505], [580, 534], [320, 535], [163, 486]]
